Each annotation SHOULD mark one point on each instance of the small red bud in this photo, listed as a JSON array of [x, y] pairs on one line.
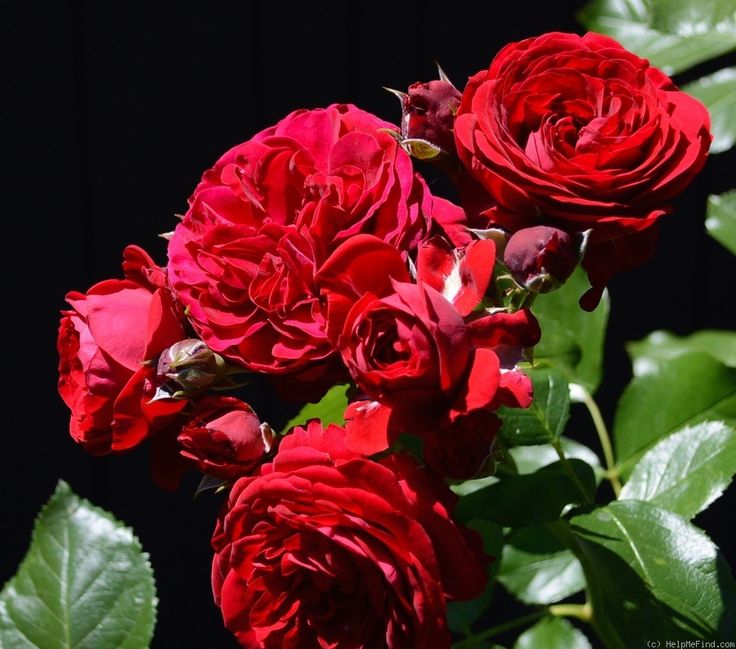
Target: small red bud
[[190, 364], [541, 258], [225, 438], [428, 115]]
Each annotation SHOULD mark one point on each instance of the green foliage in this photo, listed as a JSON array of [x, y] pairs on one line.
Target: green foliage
[[84, 583], [718, 92], [667, 394], [652, 575], [663, 345], [533, 499], [545, 419], [530, 458], [330, 409], [572, 339], [673, 34], [721, 217], [686, 471], [552, 633], [538, 569]]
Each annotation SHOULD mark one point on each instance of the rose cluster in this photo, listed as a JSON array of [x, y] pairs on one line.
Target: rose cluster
[[313, 255]]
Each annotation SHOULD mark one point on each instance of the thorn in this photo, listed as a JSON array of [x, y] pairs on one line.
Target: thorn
[[179, 216], [167, 235], [401, 95]]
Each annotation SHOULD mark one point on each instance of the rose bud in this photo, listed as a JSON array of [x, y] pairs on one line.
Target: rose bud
[[225, 438], [428, 115], [542, 258], [190, 364]]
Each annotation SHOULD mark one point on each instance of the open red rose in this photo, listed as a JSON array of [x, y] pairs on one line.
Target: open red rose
[[417, 351], [225, 438], [325, 548], [103, 341], [269, 213], [578, 133]]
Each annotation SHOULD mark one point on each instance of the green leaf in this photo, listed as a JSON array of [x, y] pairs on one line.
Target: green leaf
[[652, 575], [471, 486], [686, 471], [544, 420], [668, 394], [718, 92], [462, 615], [534, 499], [664, 345], [529, 459], [552, 633], [538, 569], [721, 219], [673, 34], [329, 410], [84, 583], [572, 339]]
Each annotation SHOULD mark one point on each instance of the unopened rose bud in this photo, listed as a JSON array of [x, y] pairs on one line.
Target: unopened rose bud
[[190, 364], [225, 438], [542, 258], [428, 116]]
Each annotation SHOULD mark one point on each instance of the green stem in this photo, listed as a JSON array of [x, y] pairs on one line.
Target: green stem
[[473, 640], [605, 439], [587, 497], [582, 612]]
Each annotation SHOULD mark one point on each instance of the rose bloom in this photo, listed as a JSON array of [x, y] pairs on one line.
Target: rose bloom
[[269, 213], [326, 548], [578, 133], [418, 351], [103, 341]]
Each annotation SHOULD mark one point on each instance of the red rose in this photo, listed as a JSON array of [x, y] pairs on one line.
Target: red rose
[[579, 133], [103, 341], [225, 438], [269, 213], [409, 347], [325, 548]]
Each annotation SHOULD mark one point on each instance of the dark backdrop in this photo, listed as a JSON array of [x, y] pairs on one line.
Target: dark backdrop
[[116, 109]]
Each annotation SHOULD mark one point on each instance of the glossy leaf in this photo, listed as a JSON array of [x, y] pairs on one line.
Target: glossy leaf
[[668, 394], [529, 459], [329, 410], [462, 615], [533, 499], [664, 345], [572, 339], [652, 575], [686, 471], [467, 487], [538, 569], [718, 92], [544, 420], [552, 633], [673, 34], [84, 583], [721, 218]]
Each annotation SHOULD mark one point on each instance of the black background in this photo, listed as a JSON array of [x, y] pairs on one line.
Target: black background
[[116, 108]]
